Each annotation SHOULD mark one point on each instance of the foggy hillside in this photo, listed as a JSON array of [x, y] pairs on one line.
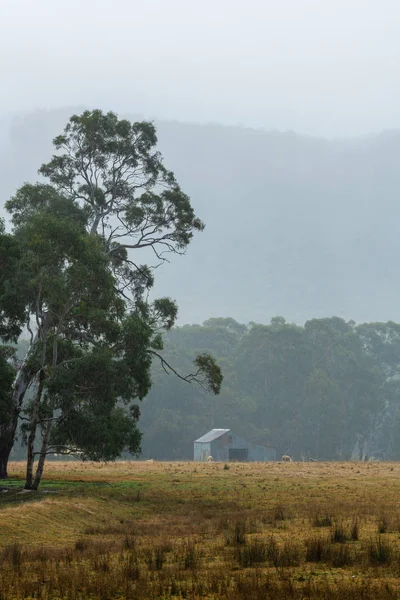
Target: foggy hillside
[[296, 226]]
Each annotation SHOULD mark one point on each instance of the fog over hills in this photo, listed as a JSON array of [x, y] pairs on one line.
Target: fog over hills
[[295, 226]]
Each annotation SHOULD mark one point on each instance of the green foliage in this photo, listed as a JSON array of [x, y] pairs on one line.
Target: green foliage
[[67, 273], [33, 199], [314, 392], [12, 305], [111, 167], [211, 371]]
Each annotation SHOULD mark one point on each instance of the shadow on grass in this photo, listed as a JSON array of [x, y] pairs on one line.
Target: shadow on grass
[[12, 490]]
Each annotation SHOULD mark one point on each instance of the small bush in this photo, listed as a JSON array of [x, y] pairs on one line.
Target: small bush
[[383, 524], [342, 556], [191, 557], [159, 558], [323, 521], [226, 467], [131, 569], [290, 555], [41, 555], [81, 545], [318, 550], [338, 534], [252, 554], [379, 552], [13, 554], [155, 560], [167, 546], [129, 542], [240, 533], [93, 531], [237, 536], [272, 551], [101, 563], [355, 531], [279, 513]]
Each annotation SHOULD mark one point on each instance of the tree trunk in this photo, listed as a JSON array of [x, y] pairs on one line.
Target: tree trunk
[[5, 451], [42, 456], [8, 430], [32, 436], [48, 427]]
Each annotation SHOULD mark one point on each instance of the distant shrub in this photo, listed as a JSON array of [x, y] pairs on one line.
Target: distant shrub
[[325, 520], [13, 554], [379, 552], [318, 549], [81, 545], [101, 563], [156, 559], [338, 534], [239, 535], [131, 568], [191, 557], [355, 531], [272, 551], [260, 551], [290, 555], [252, 554], [383, 524], [279, 513], [129, 542], [342, 556]]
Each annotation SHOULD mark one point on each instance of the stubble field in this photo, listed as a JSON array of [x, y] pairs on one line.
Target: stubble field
[[139, 530]]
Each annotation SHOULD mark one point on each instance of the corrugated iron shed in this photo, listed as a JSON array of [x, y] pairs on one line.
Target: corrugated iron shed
[[212, 435], [224, 445]]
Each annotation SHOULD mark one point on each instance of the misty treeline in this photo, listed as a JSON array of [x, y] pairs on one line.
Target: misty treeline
[[72, 275], [328, 390]]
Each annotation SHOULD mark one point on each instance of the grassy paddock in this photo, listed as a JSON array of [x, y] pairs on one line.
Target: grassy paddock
[[187, 530]]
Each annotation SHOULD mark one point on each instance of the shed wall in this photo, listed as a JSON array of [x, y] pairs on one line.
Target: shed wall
[[201, 451], [219, 449]]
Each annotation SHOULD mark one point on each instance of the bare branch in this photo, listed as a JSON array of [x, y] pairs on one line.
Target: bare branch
[[190, 378]]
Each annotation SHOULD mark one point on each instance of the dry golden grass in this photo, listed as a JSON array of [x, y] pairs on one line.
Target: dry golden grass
[[201, 530]]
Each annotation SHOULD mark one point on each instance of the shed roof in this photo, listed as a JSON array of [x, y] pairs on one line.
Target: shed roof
[[212, 435]]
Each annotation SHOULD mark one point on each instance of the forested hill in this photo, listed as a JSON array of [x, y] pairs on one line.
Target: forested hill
[[295, 225], [329, 390]]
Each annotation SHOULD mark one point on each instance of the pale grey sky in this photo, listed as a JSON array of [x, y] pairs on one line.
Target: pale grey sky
[[323, 67]]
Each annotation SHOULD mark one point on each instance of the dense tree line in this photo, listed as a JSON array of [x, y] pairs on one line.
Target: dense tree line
[[328, 390]]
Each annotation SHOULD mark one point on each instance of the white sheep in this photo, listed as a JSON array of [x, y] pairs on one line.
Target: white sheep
[[286, 458], [210, 459]]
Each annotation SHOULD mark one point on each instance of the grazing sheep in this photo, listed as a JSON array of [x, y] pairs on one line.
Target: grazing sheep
[[151, 460], [286, 458], [210, 459]]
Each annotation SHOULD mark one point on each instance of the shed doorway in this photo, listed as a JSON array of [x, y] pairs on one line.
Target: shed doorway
[[239, 454]]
